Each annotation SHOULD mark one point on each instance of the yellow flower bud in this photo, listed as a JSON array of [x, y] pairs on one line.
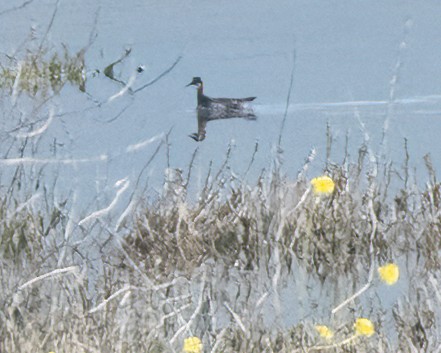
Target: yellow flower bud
[[323, 185], [389, 273], [364, 327], [192, 345], [324, 331]]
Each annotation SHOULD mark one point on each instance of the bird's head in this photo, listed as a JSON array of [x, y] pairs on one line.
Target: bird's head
[[195, 82]]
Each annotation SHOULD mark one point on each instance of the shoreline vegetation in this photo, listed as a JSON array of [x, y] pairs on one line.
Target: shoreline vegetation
[[279, 265], [43, 73], [208, 272]]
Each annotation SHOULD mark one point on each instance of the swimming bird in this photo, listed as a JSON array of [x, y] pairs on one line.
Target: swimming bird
[[205, 101], [209, 108]]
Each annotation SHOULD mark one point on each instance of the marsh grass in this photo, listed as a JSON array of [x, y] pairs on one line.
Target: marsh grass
[[213, 267], [239, 225]]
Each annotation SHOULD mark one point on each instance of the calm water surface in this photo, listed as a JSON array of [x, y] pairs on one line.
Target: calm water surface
[[353, 63]]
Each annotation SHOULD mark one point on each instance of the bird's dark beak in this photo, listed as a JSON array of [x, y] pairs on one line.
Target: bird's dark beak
[[191, 83]]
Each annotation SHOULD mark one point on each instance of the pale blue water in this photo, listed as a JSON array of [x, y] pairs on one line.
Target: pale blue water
[[347, 53]]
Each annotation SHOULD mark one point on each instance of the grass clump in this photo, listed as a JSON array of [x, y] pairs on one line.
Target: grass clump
[[240, 226]]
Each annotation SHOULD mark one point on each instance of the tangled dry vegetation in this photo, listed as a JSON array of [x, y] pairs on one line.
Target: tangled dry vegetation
[[214, 269], [240, 225]]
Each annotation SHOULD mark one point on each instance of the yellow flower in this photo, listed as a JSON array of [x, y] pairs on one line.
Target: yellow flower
[[323, 185], [324, 331], [192, 345], [364, 327], [389, 273]]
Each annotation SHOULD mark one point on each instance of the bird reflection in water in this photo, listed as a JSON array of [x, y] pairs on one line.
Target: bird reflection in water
[[209, 109]]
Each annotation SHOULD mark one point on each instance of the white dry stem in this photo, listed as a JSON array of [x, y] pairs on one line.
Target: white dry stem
[[125, 298], [261, 300], [393, 83], [197, 310], [277, 264], [124, 90], [238, 320], [308, 161], [15, 89], [24, 205], [436, 286], [123, 184], [219, 340], [172, 314], [100, 306], [129, 210], [183, 215], [138, 146], [302, 200], [53, 273], [371, 253], [40, 130], [351, 298], [275, 282], [36, 161]]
